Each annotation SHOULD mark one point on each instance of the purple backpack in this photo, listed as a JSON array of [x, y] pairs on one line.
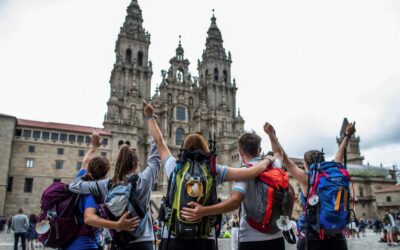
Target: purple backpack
[[57, 222]]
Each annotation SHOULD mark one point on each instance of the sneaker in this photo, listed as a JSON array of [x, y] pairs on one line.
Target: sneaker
[[394, 244]]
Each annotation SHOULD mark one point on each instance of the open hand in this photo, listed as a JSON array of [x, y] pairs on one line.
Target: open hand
[[95, 139], [128, 224], [148, 109], [351, 129], [194, 213], [269, 129]]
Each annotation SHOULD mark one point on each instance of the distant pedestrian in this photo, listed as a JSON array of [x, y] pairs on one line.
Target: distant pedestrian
[[9, 221], [20, 225], [389, 226], [31, 235]]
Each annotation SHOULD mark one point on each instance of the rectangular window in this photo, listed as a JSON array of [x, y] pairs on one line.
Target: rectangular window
[[59, 164], [10, 184], [180, 113], [78, 165], [104, 154], [81, 152], [27, 133], [72, 138], [80, 138], [63, 137], [31, 149], [18, 132], [45, 135], [54, 136], [104, 141], [56, 180], [29, 163], [28, 185], [36, 134], [87, 139], [388, 199], [60, 151]]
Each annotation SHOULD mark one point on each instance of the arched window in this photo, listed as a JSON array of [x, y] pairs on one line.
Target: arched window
[[180, 113], [140, 58], [191, 101], [179, 75], [128, 56], [224, 125], [169, 99], [216, 73], [361, 191], [128, 143], [180, 133], [225, 76]]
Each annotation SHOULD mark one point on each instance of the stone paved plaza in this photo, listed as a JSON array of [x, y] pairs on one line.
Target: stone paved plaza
[[370, 241]]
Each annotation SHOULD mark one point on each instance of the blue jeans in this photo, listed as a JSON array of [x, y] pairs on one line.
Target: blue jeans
[[23, 240]]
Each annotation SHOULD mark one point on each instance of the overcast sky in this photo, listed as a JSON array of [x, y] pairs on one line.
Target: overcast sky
[[302, 65]]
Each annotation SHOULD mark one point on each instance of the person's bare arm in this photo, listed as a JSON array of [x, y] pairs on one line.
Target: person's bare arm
[[196, 211], [350, 130], [94, 145], [155, 131], [290, 166], [242, 174], [275, 145], [92, 219]]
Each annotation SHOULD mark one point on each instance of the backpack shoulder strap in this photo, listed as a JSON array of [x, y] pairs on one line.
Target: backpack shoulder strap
[[133, 199]]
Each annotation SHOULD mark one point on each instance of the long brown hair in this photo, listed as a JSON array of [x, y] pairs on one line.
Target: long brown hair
[[127, 162], [98, 168], [196, 141]]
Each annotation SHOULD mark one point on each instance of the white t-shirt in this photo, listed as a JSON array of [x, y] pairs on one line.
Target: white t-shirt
[[247, 188], [169, 166]]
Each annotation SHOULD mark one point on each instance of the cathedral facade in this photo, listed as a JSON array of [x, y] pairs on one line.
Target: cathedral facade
[[184, 103]]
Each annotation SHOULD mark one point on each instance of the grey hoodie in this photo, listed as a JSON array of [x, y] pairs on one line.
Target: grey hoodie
[[143, 188]]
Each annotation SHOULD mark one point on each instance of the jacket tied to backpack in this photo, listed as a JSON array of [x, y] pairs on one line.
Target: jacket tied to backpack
[[270, 210]]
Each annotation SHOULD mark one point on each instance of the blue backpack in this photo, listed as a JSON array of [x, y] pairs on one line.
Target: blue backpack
[[327, 208]]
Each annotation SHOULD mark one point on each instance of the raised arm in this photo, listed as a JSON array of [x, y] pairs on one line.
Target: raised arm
[[242, 174], [291, 167], [275, 145], [94, 145], [197, 211], [155, 131], [350, 130]]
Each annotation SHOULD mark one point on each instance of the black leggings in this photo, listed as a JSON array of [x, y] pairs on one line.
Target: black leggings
[[275, 244], [143, 245], [175, 244]]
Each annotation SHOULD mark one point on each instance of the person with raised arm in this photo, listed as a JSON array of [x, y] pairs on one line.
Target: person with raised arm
[[95, 168], [196, 142], [309, 239]]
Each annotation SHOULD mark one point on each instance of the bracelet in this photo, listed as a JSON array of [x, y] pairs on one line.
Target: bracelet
[[347, 135], [151, 116]]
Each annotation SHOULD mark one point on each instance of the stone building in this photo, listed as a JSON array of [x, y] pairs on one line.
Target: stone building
[[35, 154]]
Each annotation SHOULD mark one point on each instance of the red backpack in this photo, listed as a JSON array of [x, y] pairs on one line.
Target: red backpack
[[275, 198]]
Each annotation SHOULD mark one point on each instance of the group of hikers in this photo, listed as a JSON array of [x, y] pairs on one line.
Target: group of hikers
[[261, 191]]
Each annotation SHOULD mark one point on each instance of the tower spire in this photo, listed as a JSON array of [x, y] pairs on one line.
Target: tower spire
[[214, 42]]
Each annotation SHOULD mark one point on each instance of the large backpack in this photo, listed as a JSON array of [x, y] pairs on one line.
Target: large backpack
[[118, 200], [193, 179], [273, 203], [57, 223], [328, 200]]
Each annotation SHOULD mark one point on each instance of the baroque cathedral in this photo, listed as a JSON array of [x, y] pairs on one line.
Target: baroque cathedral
[[184, 103]]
